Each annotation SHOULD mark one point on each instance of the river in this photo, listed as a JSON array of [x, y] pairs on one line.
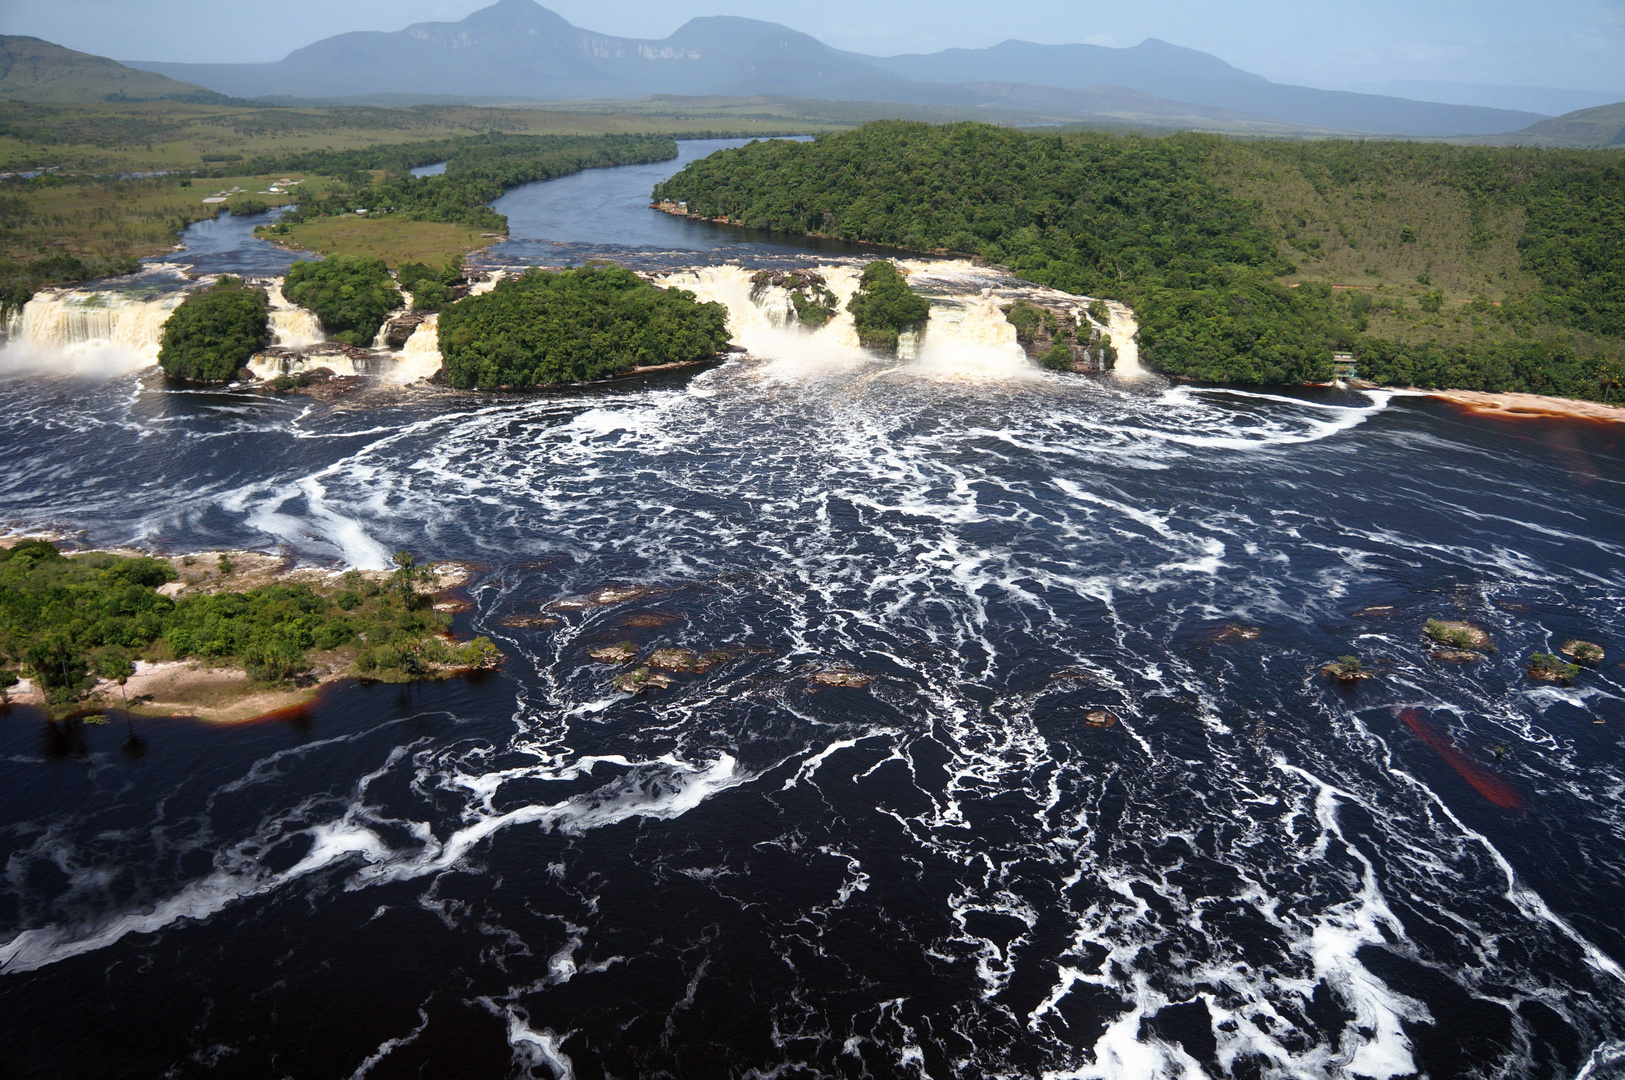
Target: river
[[1075, 826]]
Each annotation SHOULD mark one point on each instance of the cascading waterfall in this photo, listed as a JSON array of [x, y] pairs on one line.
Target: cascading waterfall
[[87, 332], [292, 327], [764, 323], [420, 357], [966, 334]]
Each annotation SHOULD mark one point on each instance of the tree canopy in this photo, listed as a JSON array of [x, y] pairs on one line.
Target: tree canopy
[[215, 331], [1196, 231], [549, 327], [884, 306], [352, 296]]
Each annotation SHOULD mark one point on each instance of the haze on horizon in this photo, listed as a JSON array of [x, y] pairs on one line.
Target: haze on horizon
[[1382, 46]]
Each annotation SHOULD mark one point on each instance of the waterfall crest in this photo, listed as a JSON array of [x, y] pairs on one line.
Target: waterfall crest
[[89, 332]]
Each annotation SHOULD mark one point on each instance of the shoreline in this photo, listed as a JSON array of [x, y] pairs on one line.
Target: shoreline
[[1519, 406], [196, 689]]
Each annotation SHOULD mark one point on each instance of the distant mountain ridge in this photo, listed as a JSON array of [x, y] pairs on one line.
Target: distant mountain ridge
[[36, 70], [519, 49]]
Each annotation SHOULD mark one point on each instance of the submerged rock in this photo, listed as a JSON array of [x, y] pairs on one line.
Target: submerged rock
[[1455, 656], [1587, 652], [1237, 632], [857, 680], [651, 620], [623, 652], [1376, 611], [528, 622], [636, 682]]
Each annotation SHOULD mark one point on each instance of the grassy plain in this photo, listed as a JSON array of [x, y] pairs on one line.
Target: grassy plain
[[121, 217], [164, 135], [395, 240]]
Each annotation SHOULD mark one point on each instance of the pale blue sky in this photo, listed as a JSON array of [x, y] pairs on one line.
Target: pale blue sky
[[1578, 44]]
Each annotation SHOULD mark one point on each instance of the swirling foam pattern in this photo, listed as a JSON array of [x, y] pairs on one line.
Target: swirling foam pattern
[[950, 872]]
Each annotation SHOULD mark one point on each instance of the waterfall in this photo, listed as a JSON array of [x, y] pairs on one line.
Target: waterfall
[[1122, 327], [87, 333], [968, 335], [764, 324], [292, 327], [420, 358]]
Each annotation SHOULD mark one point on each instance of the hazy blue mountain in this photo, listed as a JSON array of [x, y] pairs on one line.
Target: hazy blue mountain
[[35, 70], [518, 49], [1169, 71], [1545, 100]]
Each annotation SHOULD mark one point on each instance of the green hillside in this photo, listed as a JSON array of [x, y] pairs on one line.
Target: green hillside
[[38, 71], [1437, 265], [1602, 126]]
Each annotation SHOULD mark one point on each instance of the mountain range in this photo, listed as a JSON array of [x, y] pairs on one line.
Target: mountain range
[[518, 50]]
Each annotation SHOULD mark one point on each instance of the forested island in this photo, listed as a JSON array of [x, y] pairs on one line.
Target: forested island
[[1253, 262], [547, 327], [69, 623]]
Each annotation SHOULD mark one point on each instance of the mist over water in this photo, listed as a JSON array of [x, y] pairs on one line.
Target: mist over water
[[949, 872]]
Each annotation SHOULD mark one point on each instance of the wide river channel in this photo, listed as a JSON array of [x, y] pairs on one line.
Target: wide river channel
[[963, 869]]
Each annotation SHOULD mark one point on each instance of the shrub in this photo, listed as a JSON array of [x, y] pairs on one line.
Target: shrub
[[550, 327], [215, 332], [352, 296], [884, 306]]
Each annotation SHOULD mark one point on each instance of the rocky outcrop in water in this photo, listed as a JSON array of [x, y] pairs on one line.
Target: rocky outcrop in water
[[1061, 336], [810, 297]]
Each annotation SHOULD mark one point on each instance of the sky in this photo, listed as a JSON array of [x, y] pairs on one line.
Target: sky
[[1569, 44]]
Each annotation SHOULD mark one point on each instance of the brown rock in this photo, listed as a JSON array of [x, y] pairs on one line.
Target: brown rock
[[1454, 656], [857, 680], [1587, 652], [527, 622], [636, 682], [674, 659], [1100, 718], [620, 653]]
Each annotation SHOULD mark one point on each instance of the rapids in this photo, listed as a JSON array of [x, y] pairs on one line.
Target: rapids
[[1084, 821]]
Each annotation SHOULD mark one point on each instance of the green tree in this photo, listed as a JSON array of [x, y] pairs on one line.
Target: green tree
[[884, 306], [215, 331], [351, 295], [550, 327]]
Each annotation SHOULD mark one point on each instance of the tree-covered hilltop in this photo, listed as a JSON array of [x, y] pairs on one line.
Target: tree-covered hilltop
[[1244, 261], [66, 621], [549, 327], [215, 332]]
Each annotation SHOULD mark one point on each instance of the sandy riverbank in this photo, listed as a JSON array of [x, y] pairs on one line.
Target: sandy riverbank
[[1527, 406]]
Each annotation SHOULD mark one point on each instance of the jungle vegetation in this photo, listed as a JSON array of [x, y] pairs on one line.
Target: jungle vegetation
[[65, 620], [1486, 268], [884, 306], [351, 296], [549, 327], [215, 332]]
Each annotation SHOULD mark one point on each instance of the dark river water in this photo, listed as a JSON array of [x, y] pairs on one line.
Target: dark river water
[[950, 872]]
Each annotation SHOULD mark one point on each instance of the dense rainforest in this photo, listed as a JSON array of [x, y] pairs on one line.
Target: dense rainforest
[[1478, 268], [572, 325]]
